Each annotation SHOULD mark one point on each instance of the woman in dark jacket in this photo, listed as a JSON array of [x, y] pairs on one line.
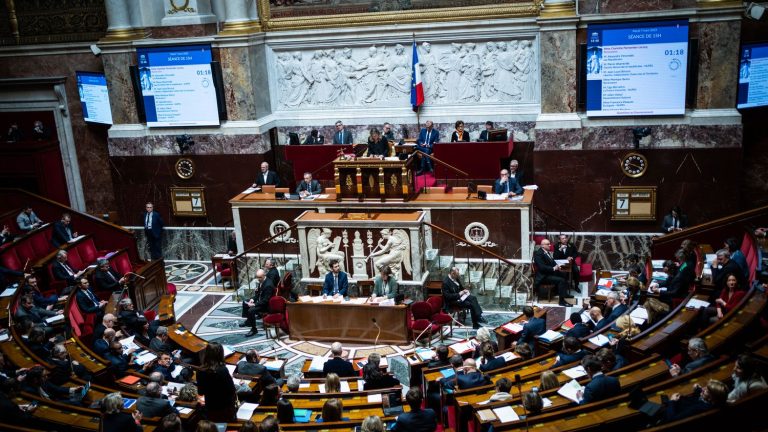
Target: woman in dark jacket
[[215, 383]]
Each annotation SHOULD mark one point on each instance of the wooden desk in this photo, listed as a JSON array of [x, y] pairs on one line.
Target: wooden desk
[[374, 178], [348, 322], [505, 338]]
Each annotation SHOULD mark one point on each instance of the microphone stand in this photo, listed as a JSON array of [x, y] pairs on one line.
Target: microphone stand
[[376, 342], [520, 393]]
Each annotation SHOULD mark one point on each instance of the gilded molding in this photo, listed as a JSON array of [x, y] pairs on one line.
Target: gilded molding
[[718, 3], [13, 21], [240, 28], [124, 35], [532, 8], [558, 10]]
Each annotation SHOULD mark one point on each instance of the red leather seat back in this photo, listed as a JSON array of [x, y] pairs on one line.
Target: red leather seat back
[[121, 263], [87, 251], [41, 245], [10, 260], [73, 258], [25, 252]]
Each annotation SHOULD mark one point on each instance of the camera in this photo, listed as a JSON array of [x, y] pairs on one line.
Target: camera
[[638, 134], [185, 143]]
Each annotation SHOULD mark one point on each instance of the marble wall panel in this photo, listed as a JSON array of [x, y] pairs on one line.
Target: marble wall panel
[[120, 88], [239, 93], [182, 31], [213, 144], [587, 7], [718, 74], [187, 245], [523, 131], [558, 71], [662, 136], [260, 72]]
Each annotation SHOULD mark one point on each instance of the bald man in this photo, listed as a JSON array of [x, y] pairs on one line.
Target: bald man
[[266, 177], [259, 304]]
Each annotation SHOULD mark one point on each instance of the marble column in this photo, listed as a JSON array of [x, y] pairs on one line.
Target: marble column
[[241, 17], [119, 20], [187, 12], [558, 8]]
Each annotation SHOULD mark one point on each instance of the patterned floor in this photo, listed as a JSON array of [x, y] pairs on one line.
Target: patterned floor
[[214, 313]]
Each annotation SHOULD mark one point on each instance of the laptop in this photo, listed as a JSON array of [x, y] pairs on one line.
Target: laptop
[[639, 401], [392, 403]]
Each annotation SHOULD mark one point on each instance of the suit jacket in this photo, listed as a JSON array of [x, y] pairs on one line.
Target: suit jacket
[[667, 224], [695, 364], [499, 187], [100, 347], [274, 275], [342, 137], [256, 369], [119, 364], [686, 406], [263, 294], [380, 148], [534, 327], [339, 366], [544, 265], [154, 406], [483, 135], [519, 176], [468, 380], [455, 137], [36, 314], [85, 303], [423, 420], [312, 140], [272, 179], [578, 331], [157, 224], [379, 287], [313, 187], [570, 252], [343, 284], [451, 291], [601, 387], [616, 312], [428, 139], [720, 275], [61, 273], [741, 260], [166, 371], [61, 234], [121, 421], [494, 364], [107, 280], [565, 358], [25, 221]]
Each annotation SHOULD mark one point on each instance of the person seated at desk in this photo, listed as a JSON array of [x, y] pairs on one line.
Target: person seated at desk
[[62, 231], [5, 235], [674, 221], [548, 272], [572, 352], [336, 281], [106, 278], [679, 407], [338, 365], [36, 382], [722, 266], [62, 271], [428, 136], [308, 186], [152, 403], [285, 413], [441, 357], [332, 412], [108, 321], [387, 132], [489, 361], [384, 285], [250, 365], [453, 292], [483, 335], [459, 134], [314, 138], [27, 220], [87, 300], [374, 377], [699, 354], [579, 329], [567, 251], [616, 308], [417, 419], [467, 377], [377, 144], [266, 177], [28, 310], [259, 304], [515, 172], [600, 386], [506, 185], [486, 131], [533, 327]]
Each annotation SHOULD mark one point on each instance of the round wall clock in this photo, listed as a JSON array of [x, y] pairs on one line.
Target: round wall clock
[[634, 164], [185, 168]]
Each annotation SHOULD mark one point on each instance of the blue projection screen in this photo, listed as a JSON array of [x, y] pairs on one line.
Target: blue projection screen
[[177, 86], [753, 76], [94, 97], [636, 68]]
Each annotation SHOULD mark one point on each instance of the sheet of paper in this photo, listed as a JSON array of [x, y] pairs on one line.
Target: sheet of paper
[[509, 356], [231, 368], [304, 385], [251, 190], [462, 347], [176, 372], [305, 298], [696, 304], [146, 357], [374, 398], [486, 416], [318, 299], [639, 312], [551, 335], [323, 196], [506, 414], [344, 387], [228, 350], [55, 318], [383, 362], [166, 389], [561, 262], [425, 353], [575, 372], [274, 365], [321, 388], [4, 337], [317, 364], [184, 410], [360, 385], [546, 402], [638, 321], [570, 389], [8, 292], [599, 340], [513, 327], [245, 412]]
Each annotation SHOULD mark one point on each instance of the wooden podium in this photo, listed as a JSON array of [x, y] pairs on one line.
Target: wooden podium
[[373, 178]]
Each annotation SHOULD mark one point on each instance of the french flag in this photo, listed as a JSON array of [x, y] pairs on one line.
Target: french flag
[[417, 89]]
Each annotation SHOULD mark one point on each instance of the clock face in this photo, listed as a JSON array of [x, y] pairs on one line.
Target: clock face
[[185, 168], [634, 164]]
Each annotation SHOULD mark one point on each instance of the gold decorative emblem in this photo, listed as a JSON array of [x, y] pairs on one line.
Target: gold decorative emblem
[[393, 181], [349, 183], [371, 182], [183, 8]]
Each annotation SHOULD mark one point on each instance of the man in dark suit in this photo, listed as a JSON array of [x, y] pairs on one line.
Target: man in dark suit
[[88, 302], [28, 310], [308, 186], [453, 292], [153, 230], [565, 250], [266, 177], [579, 329], [63, 271], [250, 366], [417, 419], [259, 303], [338, 365], [600, 386], [515, 172], [166, 367], [272, 273], [62, 231], [387, 132], [336, 281], [342, 136], [532, 328], [468, 377], [505, 185], [722, 266], [616, 308], [572, 352], [314, 138], [548, 272], [674, 221], [428, 136], [152, 403], [699, 354], [41, 300], [106, 278], [484, 133]]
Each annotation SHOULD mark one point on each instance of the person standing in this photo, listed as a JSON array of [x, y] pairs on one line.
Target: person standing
[[428, 136], [153, 230], [342, 135], [266, 177]]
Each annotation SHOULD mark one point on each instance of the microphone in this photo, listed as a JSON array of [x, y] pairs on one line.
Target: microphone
[[376, 342], [519, 385]]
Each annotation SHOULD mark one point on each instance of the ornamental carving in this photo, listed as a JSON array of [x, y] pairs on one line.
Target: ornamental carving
[[47, 21], [491, 72]]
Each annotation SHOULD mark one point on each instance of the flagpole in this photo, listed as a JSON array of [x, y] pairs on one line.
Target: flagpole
[[418, 111]]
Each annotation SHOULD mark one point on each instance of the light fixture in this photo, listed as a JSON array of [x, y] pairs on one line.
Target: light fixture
[[755, 11]]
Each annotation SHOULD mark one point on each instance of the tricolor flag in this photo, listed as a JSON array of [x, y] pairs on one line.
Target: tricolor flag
[[417, 89]]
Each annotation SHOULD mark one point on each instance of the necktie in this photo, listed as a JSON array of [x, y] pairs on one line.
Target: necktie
[[92, 297], [149, 220], [68, 269], [506, 186], [341, 137], [674, 222], [111, 275], [335, 284], [265, 178]]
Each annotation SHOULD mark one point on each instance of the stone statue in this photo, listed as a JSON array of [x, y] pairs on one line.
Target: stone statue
[[505, 73], [399, 79], [470, 75], [394, 253], [322, 250], [488, 70], [429, 72]]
